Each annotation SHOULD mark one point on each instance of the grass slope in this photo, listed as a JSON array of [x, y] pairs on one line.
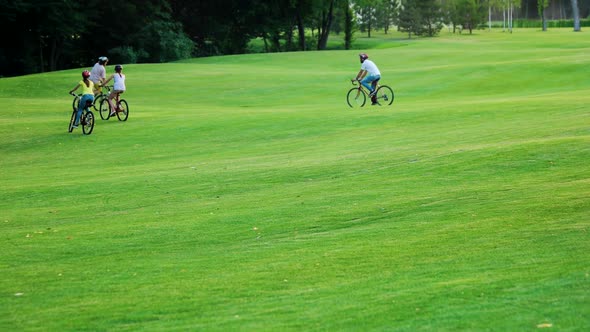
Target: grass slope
[[243, 194]]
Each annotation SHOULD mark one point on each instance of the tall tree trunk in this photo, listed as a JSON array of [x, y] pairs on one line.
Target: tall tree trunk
[[576, 12], [266, 50], [324, 30], [347, 26], [510, 12], [561, 10], [490, 17], [54, 53], [504, 19], [289, 32], [41, 59], [300, 31]]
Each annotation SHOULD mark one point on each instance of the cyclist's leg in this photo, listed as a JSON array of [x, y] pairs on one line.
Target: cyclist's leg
[[81, 107], [374, 86], [112, 95], [117, 96], [375, 82], [366, 82]]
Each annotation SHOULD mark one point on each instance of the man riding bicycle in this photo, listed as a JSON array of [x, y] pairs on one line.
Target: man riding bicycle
[[368, 76]]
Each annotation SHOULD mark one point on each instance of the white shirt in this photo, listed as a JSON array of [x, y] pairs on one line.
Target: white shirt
[[97, 73], [370, 66], [119, 82]]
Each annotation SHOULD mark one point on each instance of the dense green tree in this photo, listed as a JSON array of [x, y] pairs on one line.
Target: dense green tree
[[366, 11], [469, 13], [430, 13], [409, 17], [152, 36], [386, 14], [56, 34], [37, 38]]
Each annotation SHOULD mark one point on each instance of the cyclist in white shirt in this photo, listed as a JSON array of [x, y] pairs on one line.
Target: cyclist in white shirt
[[98, 73], [368, 76]]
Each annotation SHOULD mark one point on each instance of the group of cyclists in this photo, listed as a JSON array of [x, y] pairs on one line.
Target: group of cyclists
[[93, 80], [92, 83]]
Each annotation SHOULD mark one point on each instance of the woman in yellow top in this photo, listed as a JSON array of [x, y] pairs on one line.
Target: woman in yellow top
[[87, 94]]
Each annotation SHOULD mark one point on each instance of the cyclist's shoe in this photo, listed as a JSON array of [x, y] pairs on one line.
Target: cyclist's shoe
[[375, 104], [113, 114]]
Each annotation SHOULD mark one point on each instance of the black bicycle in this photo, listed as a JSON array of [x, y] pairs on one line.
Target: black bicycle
[[357, 96], [121, 109], [86, 119], [102, 95]]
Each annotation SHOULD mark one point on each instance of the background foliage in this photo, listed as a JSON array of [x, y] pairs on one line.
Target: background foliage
[[41, 36]]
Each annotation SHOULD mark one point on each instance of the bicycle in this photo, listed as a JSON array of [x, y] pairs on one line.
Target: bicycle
[[97, 99], [122, 108], [100, 97], [357, 96], [86, 119]]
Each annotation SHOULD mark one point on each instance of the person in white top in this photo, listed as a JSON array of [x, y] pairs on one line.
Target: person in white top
[[368, 76], [118, 86], [98, 73]]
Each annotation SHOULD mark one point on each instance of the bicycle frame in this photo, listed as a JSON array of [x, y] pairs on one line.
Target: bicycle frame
[[362, 87]]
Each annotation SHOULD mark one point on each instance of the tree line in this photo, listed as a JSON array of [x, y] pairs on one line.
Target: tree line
[[48, 35]]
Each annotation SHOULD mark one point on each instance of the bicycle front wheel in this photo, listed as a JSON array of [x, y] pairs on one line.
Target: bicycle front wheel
[[356, 98], [75, 103], [87, 122], [385, 95], [97, 100], [72, 121], [104, 109], [123, 111]]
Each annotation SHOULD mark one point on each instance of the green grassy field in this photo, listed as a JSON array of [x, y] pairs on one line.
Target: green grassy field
[[244, 194]]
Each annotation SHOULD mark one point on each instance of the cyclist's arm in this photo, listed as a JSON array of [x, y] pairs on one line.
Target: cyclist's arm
[[75, 88], [107, 80], [362, 73]]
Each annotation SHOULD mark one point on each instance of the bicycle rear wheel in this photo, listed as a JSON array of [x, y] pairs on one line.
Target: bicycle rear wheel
[[123, 111], [87, 122], [385, 95], [72, 121], [356, 98], [104, 109]]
